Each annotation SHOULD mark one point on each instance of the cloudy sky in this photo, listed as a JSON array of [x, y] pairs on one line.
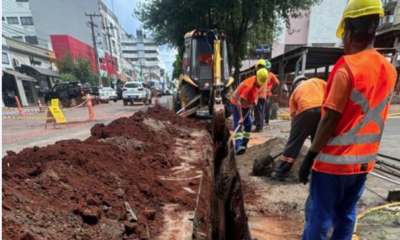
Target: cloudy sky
[[124, 10]]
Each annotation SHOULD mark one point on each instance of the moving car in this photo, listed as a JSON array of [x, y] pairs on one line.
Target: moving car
[[134, 92], [108, 93]]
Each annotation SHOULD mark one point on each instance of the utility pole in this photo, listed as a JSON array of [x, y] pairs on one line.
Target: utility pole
[[92, 25], [109, 44]]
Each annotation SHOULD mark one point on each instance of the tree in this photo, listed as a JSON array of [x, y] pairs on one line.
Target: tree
[[177, 66], [78, 69], [247, 23]]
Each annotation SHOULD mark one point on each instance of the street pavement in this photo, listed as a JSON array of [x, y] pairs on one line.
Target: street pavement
[[29, 132]]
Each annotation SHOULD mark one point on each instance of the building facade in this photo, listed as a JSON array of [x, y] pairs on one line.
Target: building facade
[[143, 52], [18, 22]]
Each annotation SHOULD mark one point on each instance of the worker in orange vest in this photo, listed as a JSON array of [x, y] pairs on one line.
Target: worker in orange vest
[[273, 82], [259, 111], [355, 108], [305, 109], [244, 97]]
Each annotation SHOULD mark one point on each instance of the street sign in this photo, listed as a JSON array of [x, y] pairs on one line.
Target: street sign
[[55, 110]]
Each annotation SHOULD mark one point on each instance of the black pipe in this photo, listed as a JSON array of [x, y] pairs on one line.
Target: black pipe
[[395, 174], [388, 164], [389, 157]]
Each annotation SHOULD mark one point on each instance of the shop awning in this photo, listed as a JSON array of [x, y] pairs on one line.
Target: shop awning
[[20, 75], [44, 71]]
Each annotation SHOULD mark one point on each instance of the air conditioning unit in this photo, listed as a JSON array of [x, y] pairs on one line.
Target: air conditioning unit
[[16, 63]]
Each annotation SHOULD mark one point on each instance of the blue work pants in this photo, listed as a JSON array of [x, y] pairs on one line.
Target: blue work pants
[[242, 136], [332, 202]]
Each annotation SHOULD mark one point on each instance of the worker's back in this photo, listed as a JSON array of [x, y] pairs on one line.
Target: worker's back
[[309, 94]]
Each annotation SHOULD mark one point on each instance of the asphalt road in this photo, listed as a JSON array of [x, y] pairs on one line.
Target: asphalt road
[[20, 134]]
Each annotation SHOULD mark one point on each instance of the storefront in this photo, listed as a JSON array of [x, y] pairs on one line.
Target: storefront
[[17, 84]]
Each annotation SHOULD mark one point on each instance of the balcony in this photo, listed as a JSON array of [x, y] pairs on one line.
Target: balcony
[[386, 21], [389, 4]]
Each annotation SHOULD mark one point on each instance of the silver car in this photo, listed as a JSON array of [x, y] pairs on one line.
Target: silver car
[[133, 92]]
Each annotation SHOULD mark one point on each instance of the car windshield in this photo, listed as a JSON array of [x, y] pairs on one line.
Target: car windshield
[[133, 85]]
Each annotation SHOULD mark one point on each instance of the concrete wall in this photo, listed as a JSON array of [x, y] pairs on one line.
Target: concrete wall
[[61, 17], [324, 20], [298, 32]]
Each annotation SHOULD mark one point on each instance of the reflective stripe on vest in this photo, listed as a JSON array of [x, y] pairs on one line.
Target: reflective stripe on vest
[[351, 137]]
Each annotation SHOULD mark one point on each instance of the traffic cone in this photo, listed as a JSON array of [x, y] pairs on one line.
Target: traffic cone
[[41, 108], [90, 108], [20, 110]]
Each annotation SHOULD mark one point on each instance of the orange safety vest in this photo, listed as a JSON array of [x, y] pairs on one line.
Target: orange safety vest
[[247, 92], [355, 142]]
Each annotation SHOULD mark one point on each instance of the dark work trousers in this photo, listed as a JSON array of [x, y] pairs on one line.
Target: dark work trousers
[[305, 124], [267, 110], [259, 113]]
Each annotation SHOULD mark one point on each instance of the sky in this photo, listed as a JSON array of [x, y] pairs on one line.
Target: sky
[[124, 10]]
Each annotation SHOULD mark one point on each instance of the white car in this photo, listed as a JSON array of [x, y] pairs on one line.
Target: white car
[[133, 92], [107, 93]]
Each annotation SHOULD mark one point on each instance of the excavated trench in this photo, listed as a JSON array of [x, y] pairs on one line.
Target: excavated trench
[[153, 175]]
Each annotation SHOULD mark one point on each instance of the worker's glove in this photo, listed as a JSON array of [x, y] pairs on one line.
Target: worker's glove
[[306, 166]]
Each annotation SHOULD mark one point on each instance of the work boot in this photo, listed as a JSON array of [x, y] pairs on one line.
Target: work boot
[[280, 172], [257, 130], [240, 150]]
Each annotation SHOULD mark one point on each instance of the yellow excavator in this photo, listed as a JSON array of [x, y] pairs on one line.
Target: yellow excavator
[[205, 81]]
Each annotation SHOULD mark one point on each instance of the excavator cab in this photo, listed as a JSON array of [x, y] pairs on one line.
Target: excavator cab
[[206, 77]]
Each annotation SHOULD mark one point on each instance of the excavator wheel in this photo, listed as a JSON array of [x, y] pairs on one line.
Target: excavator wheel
[[226, 97], [188, 93]]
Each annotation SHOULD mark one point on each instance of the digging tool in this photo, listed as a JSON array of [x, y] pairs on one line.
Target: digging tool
[[239, 126]]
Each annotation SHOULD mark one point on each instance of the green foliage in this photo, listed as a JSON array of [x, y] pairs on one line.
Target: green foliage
[[177, 66], [247, 23], [79, 69], [105, 81], [68, 77]]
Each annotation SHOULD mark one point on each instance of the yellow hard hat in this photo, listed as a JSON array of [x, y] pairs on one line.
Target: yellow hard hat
[[260, 62], [262, 76], [359, 8]]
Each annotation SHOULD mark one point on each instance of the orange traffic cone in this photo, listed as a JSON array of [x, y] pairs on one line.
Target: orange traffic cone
[[20, 110], [90, 108], [41, 108]]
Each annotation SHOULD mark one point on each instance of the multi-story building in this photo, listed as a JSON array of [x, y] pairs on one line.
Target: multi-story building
[[18, 23], [69, 18], [389, 25], [142, 51]]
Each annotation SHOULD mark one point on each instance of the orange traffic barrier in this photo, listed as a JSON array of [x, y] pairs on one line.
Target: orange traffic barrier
[[90, 108], [20, 110], [41, 108]]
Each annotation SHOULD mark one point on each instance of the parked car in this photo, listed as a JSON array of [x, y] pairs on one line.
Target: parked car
[[134, 92], [108, 93], [65, 91], [92, 90]]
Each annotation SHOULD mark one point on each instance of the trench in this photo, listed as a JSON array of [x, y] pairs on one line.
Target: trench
[[227, 216]]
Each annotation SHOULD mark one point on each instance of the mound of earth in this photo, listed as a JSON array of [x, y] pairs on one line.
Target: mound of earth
[[124, 182]]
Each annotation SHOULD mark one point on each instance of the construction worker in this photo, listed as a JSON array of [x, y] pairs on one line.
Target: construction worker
[[244, 97], [355, 108], [272, 83], [259, 111], [305, 109]]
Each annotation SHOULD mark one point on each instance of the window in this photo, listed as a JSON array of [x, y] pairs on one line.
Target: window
[[129, 51], [150, 52], [31, 39], [22, 1], [3, 19], [19, 38], [12, 20], [128, 44], [26, 20], [5, 58]]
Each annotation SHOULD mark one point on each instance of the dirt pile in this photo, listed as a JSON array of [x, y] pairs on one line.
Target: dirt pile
[[109, 186]]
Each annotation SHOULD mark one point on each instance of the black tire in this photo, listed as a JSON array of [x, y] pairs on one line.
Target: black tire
[[188, 93], [115, 100], [226, 100], [176, 102], [125, 103]]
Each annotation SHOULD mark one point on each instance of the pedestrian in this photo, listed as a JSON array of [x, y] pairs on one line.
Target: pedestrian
[[305, 110], [355, 108], [272, 83], [244, 97], [259, 111]]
